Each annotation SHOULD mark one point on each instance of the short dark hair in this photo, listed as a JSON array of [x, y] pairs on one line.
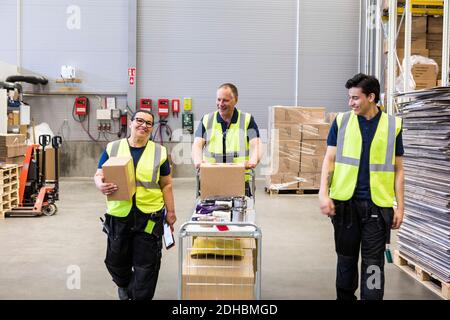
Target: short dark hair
[[143, 111], [232, 87], [368, 84]]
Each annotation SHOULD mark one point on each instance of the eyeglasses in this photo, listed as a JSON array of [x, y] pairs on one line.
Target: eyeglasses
[[141, 122]]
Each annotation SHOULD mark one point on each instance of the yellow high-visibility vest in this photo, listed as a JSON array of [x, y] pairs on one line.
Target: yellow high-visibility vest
[[236, 144], [381, 161], [149, 197]]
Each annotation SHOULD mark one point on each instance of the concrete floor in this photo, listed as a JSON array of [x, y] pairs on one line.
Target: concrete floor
[[39, 256]]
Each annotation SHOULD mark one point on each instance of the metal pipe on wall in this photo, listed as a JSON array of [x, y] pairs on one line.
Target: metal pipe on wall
[[391, 56], [407, 52], [378, 41], [19, 36], [360, 35], [132, 53], [445, 44], [297, 44], [367, 41]]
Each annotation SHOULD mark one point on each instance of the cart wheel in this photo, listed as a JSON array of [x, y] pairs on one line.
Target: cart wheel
[[50, 209]]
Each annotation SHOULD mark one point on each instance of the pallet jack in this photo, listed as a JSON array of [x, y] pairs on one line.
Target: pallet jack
[[37, 196]]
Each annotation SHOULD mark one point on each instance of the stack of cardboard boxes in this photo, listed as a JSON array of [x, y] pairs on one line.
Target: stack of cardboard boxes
[[296, 147], [426, 41], [12, 148], [434, 40], [220, 277], [418, 38]]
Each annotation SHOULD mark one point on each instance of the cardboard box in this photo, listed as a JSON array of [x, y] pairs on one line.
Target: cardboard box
[[311, 164], [313, 147], [425, 84], [434, 37], [250, 243], [287, 130], [284, 177], [331, 117], [12, 139], [289, 148], [222, 180], [218, 279], [315, 131], [418, 41], [419, 52], [418, 25], [435, 24], [288, 165], [312, 180], [120, 171], [424, 72], [434, 44], [297, 114], [50, 168], [13, 150], [23, 129], [12, 160]]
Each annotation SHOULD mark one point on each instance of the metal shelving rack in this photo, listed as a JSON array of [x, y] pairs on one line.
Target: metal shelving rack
[[371, 39]]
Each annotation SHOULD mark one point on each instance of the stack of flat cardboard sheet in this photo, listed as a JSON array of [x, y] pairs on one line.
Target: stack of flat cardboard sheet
[[424, 236]]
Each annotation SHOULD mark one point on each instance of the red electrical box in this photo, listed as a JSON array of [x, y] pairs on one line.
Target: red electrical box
[[176, 106], [163, 107], [81, 106], [146, 104]]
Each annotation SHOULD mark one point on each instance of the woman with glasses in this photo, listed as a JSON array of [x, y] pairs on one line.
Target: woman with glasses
[[135, 227]]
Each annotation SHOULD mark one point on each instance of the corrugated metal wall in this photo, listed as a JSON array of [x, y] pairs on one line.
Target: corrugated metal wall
[[8, 22], [188, 48], [328, 51], [98, 49]]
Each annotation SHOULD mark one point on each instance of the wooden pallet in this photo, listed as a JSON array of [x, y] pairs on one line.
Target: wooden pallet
[[9, 188], [291, 191], [428, 279]]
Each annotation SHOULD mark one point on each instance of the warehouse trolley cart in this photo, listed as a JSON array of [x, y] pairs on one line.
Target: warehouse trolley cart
[[219, 261], [220, 251]]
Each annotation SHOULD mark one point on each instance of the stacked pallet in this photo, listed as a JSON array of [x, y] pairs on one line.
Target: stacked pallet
[[296, 148], [424, 238], [12, 148], [9, 188]]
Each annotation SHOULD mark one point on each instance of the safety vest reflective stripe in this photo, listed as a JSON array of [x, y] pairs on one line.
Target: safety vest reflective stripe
[[387, 166], [209, 125], [340, 158], [146, 184], [115, 148]]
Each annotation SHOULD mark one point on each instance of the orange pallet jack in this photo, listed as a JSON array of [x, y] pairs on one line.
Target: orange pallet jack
[[36, 195]]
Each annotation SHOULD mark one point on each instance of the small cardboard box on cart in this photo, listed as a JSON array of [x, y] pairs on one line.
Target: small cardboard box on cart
[[222, 180]]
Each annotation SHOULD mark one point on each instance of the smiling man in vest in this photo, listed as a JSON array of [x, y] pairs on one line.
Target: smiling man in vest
[[135, 227], [227, 135], [362, 176]]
